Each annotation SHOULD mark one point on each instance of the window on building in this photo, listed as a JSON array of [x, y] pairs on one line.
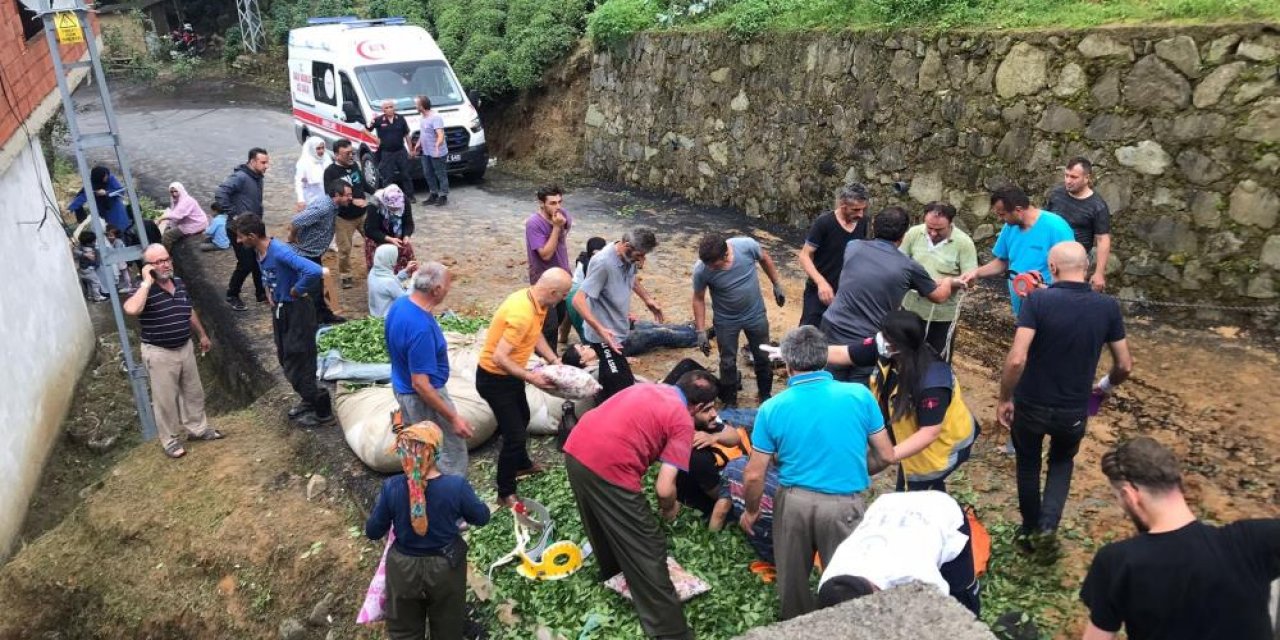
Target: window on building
[[31, 23]]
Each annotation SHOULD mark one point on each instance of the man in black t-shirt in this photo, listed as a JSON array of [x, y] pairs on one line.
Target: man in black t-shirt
[[1086, 212], [1047, 381], [393, 148], [350, 216], [1179, 578], [822, 256]]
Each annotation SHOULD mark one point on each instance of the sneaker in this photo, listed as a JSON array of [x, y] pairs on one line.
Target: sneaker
[[347, 283], [297, 410], [333, 319], [236, 303], [431, 199], [442, 201], [311, 420], [260, 297], [531, 471]]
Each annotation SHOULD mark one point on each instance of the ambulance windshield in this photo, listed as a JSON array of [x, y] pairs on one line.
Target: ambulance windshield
[[403, 81]]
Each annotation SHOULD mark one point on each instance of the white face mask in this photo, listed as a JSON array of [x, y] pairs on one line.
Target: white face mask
[[882, 347]]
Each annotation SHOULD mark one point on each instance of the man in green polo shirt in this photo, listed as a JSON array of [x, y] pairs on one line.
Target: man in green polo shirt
[[944, 251]]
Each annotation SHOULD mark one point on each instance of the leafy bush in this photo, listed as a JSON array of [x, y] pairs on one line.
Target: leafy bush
[[915, 11], [232, 44], [615, 21], [752, 17]]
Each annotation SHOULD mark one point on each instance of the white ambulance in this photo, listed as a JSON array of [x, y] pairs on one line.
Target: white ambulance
[[341, 69]]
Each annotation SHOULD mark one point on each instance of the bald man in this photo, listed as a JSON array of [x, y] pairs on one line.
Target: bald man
[[1047, 381], [394, 142], [515, 333], [167, 322]]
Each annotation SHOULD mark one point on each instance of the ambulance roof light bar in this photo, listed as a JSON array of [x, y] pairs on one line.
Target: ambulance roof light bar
[[353, 21]]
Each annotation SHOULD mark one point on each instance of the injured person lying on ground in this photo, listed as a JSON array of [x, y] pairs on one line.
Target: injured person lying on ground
[[916, 536]]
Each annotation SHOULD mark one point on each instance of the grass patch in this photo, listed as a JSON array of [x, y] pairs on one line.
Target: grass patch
[[746, 18]]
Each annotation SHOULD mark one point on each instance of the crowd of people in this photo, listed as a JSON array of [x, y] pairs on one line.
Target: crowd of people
[[869, 387]]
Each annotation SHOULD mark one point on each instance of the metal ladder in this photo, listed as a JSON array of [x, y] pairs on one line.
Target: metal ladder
[[81, 141]]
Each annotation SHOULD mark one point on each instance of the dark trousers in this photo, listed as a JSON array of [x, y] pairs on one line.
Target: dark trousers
[[811, 313], [551, 326], [246, 265], [697, 487], [505, 395], [936, 336], [294, 327], [422, 592], [727, 344], [959, 574], [323, 313], [1065, 428], [860, 375], [614, 374], [625, 537], [394, 166], [436, 172]]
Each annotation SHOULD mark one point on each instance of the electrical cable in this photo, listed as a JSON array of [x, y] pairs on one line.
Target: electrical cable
[[50, 204]]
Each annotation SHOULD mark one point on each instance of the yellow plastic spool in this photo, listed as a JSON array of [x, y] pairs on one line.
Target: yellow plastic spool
[[559, 560]]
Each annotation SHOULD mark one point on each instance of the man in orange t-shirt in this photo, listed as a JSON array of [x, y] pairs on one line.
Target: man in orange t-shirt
[[515, 333]]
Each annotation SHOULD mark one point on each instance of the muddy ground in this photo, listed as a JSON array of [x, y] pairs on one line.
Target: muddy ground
[[1209, 394]]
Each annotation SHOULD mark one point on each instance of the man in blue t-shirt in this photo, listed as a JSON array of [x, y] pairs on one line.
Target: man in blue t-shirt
[[819, 431], [1024, 242], [420, 364]]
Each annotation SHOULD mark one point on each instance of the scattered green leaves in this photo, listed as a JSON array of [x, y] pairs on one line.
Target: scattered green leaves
[[579, 604]]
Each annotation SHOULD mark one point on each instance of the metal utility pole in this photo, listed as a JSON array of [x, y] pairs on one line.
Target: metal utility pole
[[250, 24], [67, 22]]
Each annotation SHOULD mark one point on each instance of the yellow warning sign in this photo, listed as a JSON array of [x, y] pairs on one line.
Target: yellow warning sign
[[69, 31]]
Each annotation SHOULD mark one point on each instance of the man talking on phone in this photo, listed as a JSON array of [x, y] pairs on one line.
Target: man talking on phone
[[164, 311]]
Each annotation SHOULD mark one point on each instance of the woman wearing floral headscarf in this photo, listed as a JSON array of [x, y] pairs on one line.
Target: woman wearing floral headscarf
[[389, 221], [183, 218], [427, 564], [308, 173]]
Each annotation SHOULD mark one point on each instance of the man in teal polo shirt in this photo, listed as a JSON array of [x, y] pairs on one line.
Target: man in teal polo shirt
[[1024, 242], [944, 251], [818, 430]]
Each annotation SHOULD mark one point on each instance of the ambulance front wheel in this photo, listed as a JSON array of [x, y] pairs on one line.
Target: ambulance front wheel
[[370, 169]]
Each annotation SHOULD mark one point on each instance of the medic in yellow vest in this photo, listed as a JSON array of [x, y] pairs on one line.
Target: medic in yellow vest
[[932, 429]]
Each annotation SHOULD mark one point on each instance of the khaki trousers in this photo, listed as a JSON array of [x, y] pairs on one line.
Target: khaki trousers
[[343, 230], [805, 522], [176, 394]]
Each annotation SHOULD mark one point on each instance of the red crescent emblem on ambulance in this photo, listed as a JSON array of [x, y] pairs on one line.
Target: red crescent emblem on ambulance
[[371, 50]]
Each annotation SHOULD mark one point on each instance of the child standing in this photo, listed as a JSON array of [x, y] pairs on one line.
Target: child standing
[[88, 263]]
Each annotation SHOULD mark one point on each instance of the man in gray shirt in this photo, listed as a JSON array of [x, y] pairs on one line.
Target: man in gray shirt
[[873, 281], [728, 269], [604, 298]]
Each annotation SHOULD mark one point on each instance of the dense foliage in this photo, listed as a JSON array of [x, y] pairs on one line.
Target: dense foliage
[[496, 46]]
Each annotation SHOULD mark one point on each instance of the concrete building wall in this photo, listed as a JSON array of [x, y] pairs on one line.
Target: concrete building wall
[[45, 334]]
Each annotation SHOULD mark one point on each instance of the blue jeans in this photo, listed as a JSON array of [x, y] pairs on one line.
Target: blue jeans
[[647, 336], [436, 171], [1065, 428]]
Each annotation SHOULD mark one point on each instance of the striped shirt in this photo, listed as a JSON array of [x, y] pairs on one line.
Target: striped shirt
[[166, 318]]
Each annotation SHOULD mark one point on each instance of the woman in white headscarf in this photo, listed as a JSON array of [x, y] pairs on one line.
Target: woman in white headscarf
[[385, 283], [308, 173]]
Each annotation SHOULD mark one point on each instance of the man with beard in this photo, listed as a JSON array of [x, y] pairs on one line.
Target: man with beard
[[167, 319], [1179, 577], [241, 194], [607, 456], [1086, 212]]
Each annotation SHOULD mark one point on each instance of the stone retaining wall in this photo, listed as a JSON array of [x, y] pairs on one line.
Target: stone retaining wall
[[1183, 125]]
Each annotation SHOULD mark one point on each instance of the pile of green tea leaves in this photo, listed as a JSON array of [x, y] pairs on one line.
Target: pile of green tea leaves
[[362, 340], [365, 340], [581, 607], [458, 323]]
